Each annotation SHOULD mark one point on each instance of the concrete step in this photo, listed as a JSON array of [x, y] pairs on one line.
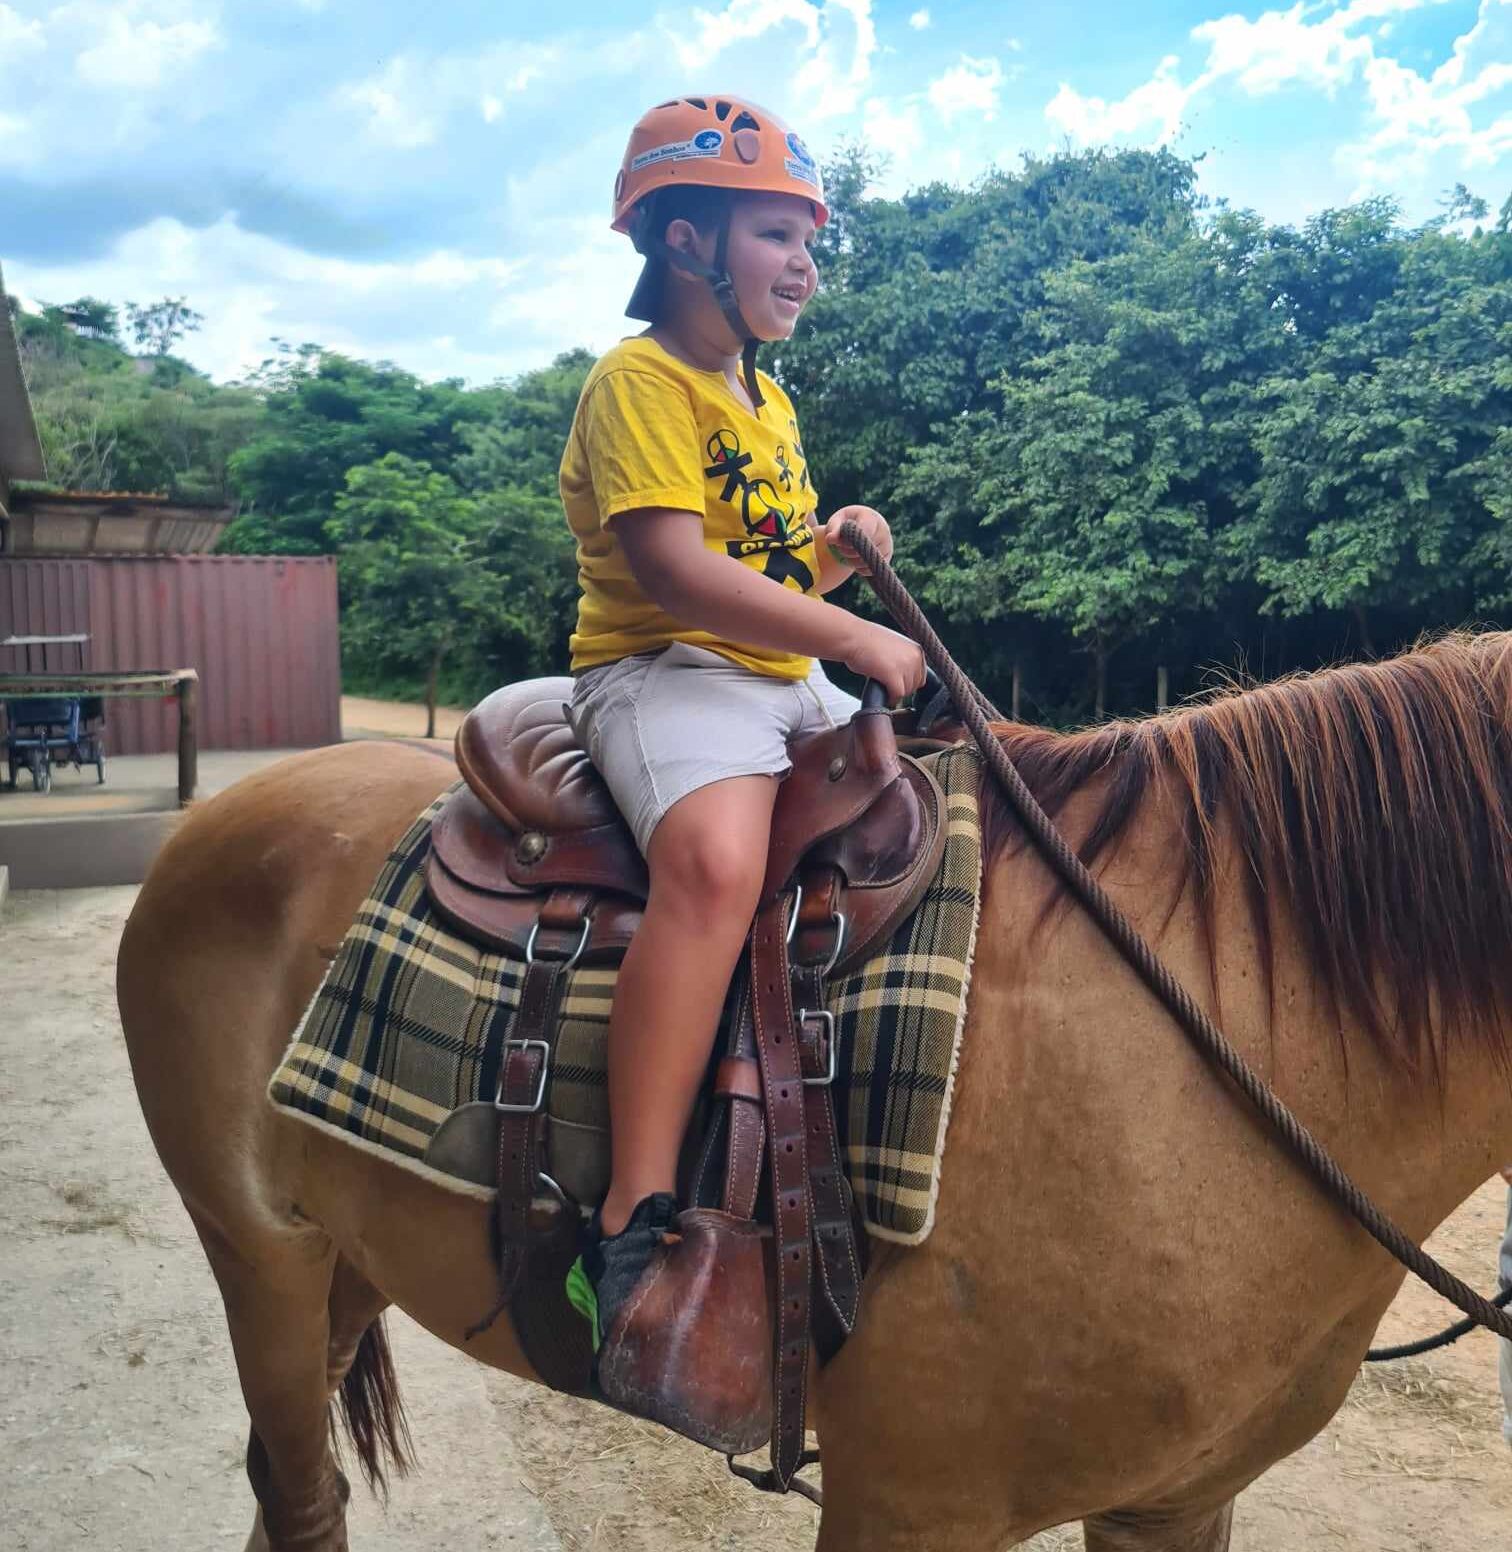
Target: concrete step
[[83, 852]]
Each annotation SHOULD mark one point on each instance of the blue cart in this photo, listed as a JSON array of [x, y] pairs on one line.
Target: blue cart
[[44, 731]]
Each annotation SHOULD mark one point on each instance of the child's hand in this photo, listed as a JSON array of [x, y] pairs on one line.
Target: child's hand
[[871, 523], [875, 652]]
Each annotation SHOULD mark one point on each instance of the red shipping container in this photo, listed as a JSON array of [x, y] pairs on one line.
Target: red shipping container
[[261, 631]]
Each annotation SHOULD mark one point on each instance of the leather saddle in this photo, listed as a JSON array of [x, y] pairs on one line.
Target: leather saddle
[[854, 818], [532, 859]]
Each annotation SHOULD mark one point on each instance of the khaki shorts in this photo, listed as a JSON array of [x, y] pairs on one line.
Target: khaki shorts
[[663, 724]]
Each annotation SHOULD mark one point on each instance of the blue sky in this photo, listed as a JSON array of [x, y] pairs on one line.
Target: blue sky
[[432, 187]]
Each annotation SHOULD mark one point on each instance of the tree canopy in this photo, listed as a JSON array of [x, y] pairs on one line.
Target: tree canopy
[[1114, 427]]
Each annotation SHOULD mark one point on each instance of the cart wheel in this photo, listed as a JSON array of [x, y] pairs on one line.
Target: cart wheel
[[41, 770], [100, 767]]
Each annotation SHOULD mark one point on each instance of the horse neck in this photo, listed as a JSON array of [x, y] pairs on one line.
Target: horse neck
[[1420, 1139], [1420, 1135]]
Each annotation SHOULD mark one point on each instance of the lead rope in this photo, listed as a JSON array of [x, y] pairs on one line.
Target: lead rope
[[1122, 933]]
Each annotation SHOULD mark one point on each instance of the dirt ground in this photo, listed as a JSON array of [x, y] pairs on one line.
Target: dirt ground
[[121, 1427], [364, 718]]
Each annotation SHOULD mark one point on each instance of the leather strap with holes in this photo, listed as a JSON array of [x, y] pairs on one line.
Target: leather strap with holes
[[787, 1153], [536, 1226], [838, 1262]]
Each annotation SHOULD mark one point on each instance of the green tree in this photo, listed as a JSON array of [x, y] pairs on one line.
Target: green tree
[[111, 422], [326, 414], [1382, 452], [158, 327], [411, 583]]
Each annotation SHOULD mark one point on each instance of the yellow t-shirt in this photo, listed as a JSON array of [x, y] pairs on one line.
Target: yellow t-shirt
[[651, 431]]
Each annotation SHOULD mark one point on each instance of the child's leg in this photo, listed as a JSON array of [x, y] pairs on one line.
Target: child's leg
[[706, 859]]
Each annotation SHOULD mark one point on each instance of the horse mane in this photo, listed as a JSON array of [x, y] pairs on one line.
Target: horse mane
[[1372, 809]]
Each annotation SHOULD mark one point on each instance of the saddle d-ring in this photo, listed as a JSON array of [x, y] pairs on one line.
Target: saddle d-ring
[[572, 958]]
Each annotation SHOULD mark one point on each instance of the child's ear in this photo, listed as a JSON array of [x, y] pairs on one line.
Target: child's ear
[[682, 236]]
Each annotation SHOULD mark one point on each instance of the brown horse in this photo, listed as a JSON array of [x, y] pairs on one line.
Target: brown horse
[[1132, 1301]]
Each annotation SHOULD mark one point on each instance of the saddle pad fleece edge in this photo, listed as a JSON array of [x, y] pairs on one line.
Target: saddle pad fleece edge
[[410, 1019]]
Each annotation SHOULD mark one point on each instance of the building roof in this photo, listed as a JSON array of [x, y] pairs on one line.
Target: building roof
[[87, 522], [20, 447]]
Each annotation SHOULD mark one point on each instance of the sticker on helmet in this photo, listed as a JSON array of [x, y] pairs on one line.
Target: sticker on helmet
[[804, 170], [799, 150], [707, 142]]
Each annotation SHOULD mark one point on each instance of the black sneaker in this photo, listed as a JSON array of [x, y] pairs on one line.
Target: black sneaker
[[604, 1274]]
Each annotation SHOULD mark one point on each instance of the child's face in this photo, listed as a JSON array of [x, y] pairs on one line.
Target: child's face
[[770, 262]]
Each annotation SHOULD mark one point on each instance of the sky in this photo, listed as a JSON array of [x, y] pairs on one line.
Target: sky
[[431, 186]]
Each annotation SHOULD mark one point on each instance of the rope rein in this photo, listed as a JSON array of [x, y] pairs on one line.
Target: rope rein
[[1125, 937]]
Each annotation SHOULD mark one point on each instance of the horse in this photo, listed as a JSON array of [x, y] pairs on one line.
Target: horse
[[1133, 1301]]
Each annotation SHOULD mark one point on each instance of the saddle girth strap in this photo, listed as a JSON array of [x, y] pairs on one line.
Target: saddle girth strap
[[782, 1086], [839, 1261], [537, 1226], [817, 943]]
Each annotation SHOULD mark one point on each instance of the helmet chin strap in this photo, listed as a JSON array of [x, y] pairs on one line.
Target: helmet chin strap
[[719, 279]]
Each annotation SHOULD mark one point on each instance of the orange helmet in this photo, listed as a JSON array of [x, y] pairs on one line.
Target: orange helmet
[[718, 142], [709, 142]]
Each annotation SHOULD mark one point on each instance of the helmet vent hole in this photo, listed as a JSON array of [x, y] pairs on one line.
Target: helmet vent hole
[[697, 102], [721, 111], [662, 105], [744, 121]]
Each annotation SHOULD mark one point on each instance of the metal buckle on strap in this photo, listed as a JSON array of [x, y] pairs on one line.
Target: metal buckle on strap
[[837, 921], [571, 960], [832, 1046], [512, 1107]]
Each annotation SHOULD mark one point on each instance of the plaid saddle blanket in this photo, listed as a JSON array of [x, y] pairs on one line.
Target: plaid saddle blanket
[[410, 1020]]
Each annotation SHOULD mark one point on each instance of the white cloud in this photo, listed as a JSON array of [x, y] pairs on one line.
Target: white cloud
[[1150, 114], [831, 81], [709, 33], [1280, 47], [892, 130], [1413, 116], [138, 45], [509, 314], [19, 36], [919, 20], [969, 87], [1420, 117], [395, 107], [404, 104]]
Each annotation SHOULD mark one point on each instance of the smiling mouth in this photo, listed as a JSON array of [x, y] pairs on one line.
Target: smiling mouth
[[793, 294]]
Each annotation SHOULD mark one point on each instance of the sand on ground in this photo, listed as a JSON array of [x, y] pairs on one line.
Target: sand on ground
[[365, 718], [122, 1428]]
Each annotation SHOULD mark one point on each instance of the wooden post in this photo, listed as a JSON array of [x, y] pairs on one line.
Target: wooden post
[[188, 736], [1162, 687]]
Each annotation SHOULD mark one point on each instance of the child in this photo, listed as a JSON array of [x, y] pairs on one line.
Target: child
[[685, 484]]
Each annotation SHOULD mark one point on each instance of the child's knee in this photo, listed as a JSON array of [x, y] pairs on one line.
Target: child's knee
[[710, 871]]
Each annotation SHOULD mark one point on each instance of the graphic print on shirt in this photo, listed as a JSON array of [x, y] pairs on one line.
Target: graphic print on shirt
[[798, 453], [765, 516]]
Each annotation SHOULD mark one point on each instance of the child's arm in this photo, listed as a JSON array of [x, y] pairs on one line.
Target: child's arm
[[714, 592]]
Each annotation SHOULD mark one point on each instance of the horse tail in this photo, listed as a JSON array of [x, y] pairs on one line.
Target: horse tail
[[372, 1411]]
